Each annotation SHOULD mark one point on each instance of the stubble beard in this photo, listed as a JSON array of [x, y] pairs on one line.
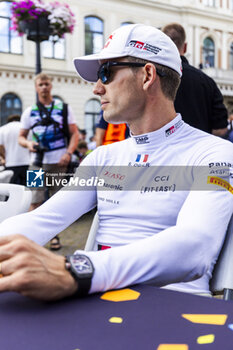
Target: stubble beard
[[112, 118]]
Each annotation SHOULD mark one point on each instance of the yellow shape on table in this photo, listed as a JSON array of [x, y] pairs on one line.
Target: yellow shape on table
[[218, 319], [121, 295], [116, 320], [173, 347], [206, 339]]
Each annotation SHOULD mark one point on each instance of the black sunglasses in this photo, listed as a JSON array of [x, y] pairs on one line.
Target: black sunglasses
[[104, 72]]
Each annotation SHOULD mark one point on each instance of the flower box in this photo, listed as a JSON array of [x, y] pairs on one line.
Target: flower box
[[37, 29], [40, 20]]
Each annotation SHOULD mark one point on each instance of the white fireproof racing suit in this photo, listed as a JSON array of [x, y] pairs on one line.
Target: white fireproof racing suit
[[163, 206]]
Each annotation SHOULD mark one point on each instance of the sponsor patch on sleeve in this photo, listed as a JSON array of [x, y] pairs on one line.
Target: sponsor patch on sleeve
[[214, 180]]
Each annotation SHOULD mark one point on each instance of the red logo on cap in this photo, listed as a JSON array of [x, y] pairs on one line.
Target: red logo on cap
[[144, 46], [108, 41], [139, 44]]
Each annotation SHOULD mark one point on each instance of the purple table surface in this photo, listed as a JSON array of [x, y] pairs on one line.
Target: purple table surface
[[155, 318]]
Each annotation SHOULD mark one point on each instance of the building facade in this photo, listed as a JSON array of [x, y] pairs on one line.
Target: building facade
[[208, 25]]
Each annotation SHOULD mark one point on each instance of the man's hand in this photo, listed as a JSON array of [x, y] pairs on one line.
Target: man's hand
[[33, 271], [31, 146]]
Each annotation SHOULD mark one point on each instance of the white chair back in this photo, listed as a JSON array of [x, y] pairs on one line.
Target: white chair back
[[222, 279], [5, 176], [91, 242], [14, 199]]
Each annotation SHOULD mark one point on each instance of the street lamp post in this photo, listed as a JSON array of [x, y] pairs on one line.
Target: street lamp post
[[38, 57]]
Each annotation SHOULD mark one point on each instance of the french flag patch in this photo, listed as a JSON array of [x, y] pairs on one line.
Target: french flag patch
[[142, 158]]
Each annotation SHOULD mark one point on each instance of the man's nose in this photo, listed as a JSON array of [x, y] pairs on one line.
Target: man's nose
[[99, 88]]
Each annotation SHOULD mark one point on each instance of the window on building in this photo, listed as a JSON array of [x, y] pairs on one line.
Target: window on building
[[10, 42], [208, 53], [231, 5], [231, 57], [94, 37], [92, 111], [210, 3], [10, 104], [54, 48]]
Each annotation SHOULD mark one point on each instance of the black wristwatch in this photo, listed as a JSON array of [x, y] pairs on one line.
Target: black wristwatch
[[82, 269]]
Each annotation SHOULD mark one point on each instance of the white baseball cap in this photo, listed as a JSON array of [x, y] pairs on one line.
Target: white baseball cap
[[136, 40]]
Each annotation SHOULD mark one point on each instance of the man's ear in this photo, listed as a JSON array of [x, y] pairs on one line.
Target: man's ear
[[185, 47], [150, 75]]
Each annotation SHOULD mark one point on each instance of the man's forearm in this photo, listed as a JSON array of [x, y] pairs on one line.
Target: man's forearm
[[2, 151], [73, 143], [23, 141], [99, 136]]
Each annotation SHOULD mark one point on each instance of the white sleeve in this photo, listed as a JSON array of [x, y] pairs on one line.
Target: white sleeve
[[180, 253], [25, 119], [52, 217], [63, 208], [71, 118]]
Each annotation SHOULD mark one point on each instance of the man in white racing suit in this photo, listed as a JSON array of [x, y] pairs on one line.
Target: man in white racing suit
[[164, 196]]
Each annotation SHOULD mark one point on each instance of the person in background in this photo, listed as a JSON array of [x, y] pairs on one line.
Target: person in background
[[55, 137], [83, 150], [92, 143], [230, 127], [16, 157], [107, 133], [198, 98], [82, 134]]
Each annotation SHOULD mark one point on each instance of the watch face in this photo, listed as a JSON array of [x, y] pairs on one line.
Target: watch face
[[81, 264]]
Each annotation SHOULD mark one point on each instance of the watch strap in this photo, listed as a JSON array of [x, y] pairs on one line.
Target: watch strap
[[84, 284]]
